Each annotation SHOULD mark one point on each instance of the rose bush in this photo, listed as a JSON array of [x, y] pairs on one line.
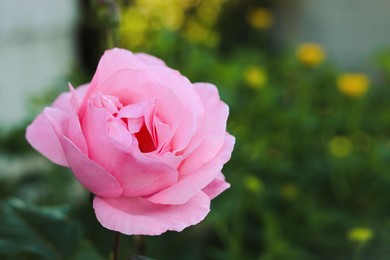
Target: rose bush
[[148, 143]]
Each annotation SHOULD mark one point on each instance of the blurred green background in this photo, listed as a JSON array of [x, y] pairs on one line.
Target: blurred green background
[[310, 173]]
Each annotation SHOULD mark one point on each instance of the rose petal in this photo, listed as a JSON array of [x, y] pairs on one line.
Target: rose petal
[[149, 59], [91, 175], [184, 130], [133, 86], [119, 133], [109, 103], [114, 60], [135, 110], [191, 184], [163, 134], [180, 86], [212, 130], [77, 95], [217, 186], [40, 133], [192, 108], [41, 136], [67, 124], [166, 158], [134, 125], [138, 216]]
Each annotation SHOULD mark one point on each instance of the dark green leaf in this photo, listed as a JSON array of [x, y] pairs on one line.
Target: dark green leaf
[[28, 229]]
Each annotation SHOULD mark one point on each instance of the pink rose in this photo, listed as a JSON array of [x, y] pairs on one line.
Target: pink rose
[[148, 143]]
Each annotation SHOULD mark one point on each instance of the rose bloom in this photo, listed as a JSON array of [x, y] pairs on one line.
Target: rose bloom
[[148, 143]]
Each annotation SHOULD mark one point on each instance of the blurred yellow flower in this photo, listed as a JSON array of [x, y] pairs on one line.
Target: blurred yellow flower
[[253, 184], [260, 18], [173, 17], [310, 54], [340, 146], [144, 19], [208, 11], [255, 77], [132, 28], [289, 191], [360, 234], [199, 33], [353, 85]]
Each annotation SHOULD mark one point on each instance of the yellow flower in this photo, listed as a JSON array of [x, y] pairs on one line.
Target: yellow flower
[[340, 146], [289, 191], [310, 54], [199, 33], [255, 77], [260, 18], [360, 234], [132, 28], [253, 184], [172, 17], [353, 85], [209, 11]]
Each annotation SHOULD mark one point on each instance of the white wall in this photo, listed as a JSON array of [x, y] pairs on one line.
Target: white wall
[[36, 48], [351, 30]]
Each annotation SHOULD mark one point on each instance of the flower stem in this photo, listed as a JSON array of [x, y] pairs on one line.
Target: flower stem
[[140, 245], [116, 246]]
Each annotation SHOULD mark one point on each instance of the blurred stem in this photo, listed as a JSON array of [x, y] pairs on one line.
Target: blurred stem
[[112, 24], [229, 240], [358, 251], [116, 245], [112, 40], [140, 247], [339, 179]]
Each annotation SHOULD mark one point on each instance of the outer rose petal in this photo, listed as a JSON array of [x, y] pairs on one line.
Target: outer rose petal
[[138, 216], [211, 133], [67, 125], [40, 134], [150, 60], [91, 175], [192, 183], [217, 186], [112, 61]]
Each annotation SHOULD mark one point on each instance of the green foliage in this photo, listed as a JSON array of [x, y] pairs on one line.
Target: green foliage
[[29, 232]]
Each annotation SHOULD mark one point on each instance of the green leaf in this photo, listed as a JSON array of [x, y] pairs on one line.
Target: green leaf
[[28, 229]]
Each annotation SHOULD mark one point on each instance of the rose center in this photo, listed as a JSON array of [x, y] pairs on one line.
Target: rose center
[[145, 140]]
